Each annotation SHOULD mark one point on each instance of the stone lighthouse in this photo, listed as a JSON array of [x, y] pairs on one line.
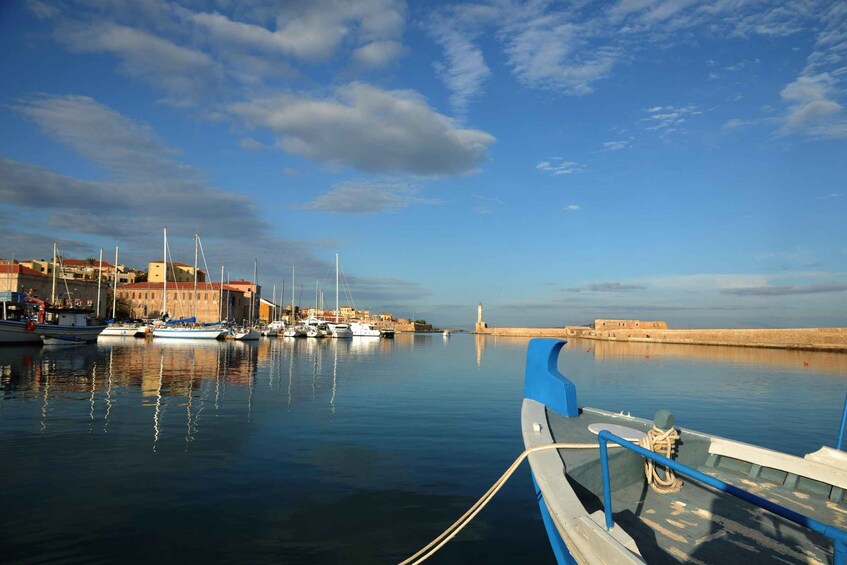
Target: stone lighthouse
[[480, 325]]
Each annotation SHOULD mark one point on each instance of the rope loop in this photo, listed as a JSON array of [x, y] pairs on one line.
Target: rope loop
[[662, 442]]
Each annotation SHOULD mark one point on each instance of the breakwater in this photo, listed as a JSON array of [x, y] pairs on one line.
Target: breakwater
[[811, 339]]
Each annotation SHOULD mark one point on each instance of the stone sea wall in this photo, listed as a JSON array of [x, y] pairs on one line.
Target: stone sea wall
[[816, 339]]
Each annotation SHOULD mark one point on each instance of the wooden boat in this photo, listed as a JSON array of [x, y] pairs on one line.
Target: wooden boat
[[725, 501]]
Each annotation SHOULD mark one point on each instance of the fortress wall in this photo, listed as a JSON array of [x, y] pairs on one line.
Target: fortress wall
[[825, 339]]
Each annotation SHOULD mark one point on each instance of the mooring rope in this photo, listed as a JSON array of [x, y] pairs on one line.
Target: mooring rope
[[427, 551], [662, 442], [656, 439]]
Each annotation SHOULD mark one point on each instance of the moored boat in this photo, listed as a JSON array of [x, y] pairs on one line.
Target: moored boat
[[364, 329], [245, 334], [669, 494], [387, 333]]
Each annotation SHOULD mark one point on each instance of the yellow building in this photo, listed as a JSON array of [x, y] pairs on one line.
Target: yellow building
[[177, 272]]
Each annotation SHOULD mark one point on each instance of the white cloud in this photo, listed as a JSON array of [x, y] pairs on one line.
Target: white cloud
[[373, 130], [557, 166], [615, 145], [668, 119], [811, 109], [148, 184], [185, 74], [465, 70], [377, 54], [550, 50], [311, 30], [366, 198], [572, 207], [117, 143]]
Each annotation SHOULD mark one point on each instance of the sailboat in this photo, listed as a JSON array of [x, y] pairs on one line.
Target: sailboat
[[249, 333], [338, 329], [182, 332], [115, 329]]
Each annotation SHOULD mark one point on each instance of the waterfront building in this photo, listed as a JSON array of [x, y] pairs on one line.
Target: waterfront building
[[177, 272], [82, 269], [17, 277], [213, 303]]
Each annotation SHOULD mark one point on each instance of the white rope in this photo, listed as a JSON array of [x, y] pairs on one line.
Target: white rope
[[662, 442], [426, 552], [657, 440]]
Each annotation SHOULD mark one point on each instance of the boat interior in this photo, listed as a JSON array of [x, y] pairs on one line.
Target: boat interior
[[698, 524]]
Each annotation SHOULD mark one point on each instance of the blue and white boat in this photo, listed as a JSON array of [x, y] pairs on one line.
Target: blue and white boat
[[618, 489], [186, 328]]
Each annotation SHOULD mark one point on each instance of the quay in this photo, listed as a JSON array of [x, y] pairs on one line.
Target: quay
[[807, 339]]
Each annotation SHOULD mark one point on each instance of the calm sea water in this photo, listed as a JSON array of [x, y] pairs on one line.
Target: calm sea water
[[337, 451]]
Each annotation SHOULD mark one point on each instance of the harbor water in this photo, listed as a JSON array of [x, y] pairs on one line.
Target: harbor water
[[338, 451]]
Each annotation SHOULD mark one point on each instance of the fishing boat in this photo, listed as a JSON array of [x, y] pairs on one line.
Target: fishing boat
[[387, 333], [613, 488], [26, 319]]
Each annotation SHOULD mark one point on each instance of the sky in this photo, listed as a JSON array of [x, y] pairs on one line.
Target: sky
[[557, 162]]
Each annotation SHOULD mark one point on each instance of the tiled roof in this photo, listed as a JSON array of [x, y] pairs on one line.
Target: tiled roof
[[20, 269]]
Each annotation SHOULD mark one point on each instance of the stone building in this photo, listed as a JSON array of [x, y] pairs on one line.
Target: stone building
[[214, 301], [606, 325], [177, 272], [83, 269], [17, 277]]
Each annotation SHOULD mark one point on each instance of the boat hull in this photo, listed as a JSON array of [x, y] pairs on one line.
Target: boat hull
[[696, 521], [84, 334], [123, 331], [12, 331], [249, 335], [188, 333]]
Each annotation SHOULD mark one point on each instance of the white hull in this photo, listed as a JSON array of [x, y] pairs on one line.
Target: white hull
[[364, 330], [188, 333], [249, 335], [341, 331], [124, 331], [62, 341]]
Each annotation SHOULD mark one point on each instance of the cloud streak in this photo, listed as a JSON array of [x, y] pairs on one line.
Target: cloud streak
[[370, 129], [366, 198]]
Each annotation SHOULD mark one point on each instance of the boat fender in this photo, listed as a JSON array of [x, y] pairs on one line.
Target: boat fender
[[30, 326], [663, 419]]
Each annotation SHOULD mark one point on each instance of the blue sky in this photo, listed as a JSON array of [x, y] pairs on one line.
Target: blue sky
[[556, 161]]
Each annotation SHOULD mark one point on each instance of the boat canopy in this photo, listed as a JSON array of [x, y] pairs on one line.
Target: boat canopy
[[190, 320]]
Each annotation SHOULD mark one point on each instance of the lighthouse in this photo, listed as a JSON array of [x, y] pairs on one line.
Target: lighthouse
[[480, 325]]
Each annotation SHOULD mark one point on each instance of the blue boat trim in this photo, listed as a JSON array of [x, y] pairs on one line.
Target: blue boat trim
[[560, 548], [837, 535], [544, 383]]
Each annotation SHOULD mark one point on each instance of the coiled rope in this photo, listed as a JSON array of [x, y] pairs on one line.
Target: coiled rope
[[662, 442], [656, 439]]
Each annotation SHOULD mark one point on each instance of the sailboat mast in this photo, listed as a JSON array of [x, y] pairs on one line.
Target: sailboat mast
[[221, 297], [336, 287], [115, 285], [165, 287], [194, 313], [293, 319], [53, 290], [255, 289], [99, 280]]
